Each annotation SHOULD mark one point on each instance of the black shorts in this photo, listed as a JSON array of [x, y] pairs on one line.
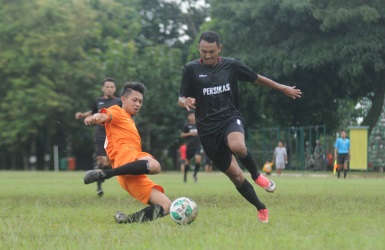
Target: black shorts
[[342, 158], [191, 152], [216, 147], [99, 146]]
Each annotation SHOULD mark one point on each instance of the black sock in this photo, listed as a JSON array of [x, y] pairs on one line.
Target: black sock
[[99, 184], [248, 192], [196, 170], [134, 168], [338, 173], [186, 168], [249, 163], [149, 213], [345, 173]]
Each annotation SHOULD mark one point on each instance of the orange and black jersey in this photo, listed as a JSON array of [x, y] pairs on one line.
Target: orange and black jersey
[[215, 91]]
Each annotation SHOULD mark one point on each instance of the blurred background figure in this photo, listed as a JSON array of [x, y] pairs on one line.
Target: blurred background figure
[[319, 156], [107, 100], [194, 147], [280, 158], [182, 156]]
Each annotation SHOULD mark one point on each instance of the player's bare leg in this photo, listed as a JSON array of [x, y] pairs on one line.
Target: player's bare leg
[[159, 207], [236, 143]]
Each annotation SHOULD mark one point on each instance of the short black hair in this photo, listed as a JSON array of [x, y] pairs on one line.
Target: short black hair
[[133, 86], [109, 79], [211, 37]]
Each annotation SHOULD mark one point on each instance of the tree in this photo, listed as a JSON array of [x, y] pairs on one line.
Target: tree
[[53, 57], [38, 50], [333, 50]]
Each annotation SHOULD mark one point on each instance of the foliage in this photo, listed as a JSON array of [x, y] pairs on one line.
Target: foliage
[[38, 50], [332, 50], [54, 55]]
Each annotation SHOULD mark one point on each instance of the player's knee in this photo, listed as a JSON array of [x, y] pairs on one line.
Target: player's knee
[[154, 167], [238, 148]]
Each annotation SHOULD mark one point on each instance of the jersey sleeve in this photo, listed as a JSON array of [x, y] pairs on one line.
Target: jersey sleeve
[[107, 112], [185, 86], [245, 74]]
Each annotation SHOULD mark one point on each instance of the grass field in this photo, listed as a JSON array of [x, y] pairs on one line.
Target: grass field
[[47, 210]]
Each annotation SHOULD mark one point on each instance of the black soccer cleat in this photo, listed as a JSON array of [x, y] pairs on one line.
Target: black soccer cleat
[[93, 176], [100, 193], [121, 218]]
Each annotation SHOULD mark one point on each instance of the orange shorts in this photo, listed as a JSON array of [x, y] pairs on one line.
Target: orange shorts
[[138, 186]]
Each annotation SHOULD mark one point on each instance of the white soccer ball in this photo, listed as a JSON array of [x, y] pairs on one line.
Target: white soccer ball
[[183, 211]]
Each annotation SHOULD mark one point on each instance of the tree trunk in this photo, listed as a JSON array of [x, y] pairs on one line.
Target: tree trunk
[[375, 110]]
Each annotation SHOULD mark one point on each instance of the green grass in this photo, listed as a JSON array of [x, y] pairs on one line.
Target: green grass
[[46, 210]]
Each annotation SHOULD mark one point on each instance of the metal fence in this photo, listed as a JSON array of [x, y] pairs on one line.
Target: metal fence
[[307, 147]]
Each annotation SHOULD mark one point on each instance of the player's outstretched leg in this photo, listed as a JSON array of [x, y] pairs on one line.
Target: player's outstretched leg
[[249, 163], [94, 176], [149, 213], [134, 168]]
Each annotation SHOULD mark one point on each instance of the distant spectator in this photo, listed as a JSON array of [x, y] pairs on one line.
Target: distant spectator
[[319, 156], [309, 161], [280, 158]]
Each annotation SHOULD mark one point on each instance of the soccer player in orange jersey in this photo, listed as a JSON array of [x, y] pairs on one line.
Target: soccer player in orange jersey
[[129, 163]]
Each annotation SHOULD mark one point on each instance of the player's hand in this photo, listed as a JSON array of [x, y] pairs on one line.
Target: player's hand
[[90, 120], [189, 103], [78, 115], [292, 92]]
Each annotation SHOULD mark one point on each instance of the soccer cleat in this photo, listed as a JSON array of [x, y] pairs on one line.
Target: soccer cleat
[[100, 193], [265, 183], [263, 215], [93, 176], [120, 217]]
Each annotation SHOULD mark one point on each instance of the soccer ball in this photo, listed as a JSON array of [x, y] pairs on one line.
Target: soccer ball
[[183, 211]]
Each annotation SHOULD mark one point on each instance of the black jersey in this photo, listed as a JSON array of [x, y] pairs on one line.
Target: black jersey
[[215, 91], [192, 142], [100, 103]]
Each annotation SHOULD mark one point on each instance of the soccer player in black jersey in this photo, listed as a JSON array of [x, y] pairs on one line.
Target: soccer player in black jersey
[[107, 100], [209, 85], [194, 148]]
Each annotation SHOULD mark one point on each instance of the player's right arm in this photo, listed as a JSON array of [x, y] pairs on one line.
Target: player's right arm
[[186, 102], [96, 119]]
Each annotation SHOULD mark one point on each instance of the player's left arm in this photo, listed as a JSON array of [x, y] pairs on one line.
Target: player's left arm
[[289, 91], [96, 119]]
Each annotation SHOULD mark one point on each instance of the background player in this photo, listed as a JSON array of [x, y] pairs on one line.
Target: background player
[[194, 148], [107, 100]]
